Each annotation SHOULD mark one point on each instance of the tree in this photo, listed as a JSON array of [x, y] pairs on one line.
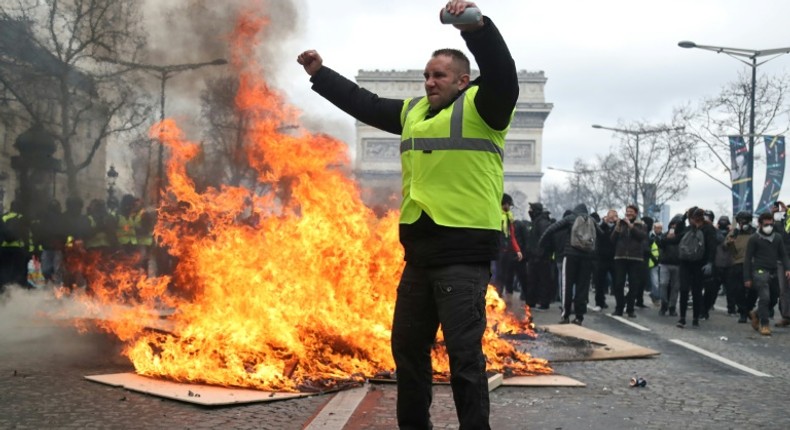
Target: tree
[[713, 119], [47, 63], [662, 156]]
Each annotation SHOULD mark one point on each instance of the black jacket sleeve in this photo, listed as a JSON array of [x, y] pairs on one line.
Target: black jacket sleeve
[[498, 80], [358, 102], [557, 226]]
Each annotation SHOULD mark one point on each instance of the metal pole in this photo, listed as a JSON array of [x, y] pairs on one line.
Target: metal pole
[[636, 172], [751, 125], [160, 180]]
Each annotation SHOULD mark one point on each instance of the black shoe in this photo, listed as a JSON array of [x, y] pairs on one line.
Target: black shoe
[[631, 314], [641, 305], [742, 319], [695, 323], [617, 313], [544, 307], [672, 312], [565, 321], [662, 312], [705, 316], [577, 321], [681, 323], [604, 306]]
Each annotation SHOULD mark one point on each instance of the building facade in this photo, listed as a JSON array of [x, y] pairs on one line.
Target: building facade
[[377, 162]]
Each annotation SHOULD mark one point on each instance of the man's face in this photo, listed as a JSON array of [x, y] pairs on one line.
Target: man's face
[[766, 222], [505, 207], [443, 81], [658, 229], [611, 216], [630, 213]]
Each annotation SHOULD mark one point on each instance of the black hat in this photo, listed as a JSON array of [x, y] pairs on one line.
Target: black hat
[[507, 199], [536, 207]]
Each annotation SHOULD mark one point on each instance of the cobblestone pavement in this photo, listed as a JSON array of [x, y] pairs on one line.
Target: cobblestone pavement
[[42, 368]]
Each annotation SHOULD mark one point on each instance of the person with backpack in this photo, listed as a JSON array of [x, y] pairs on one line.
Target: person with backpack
[[577, 264], [697, 250], [764, 252], [628, 236]]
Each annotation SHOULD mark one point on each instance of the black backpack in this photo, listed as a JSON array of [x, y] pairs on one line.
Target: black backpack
[[692, 245]]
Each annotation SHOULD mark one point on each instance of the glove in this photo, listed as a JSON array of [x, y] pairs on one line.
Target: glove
[[707, 269]]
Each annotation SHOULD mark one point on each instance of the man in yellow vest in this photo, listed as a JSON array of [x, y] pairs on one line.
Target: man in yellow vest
[[14, 237], [452, 148]]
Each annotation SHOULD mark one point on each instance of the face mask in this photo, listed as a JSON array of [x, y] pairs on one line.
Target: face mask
[[707, 218], [768, 229], [744, 227], [777, 216], [610, 224]]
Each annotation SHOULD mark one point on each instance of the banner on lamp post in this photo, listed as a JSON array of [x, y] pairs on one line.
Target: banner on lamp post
[[774, 171], [742, 166]]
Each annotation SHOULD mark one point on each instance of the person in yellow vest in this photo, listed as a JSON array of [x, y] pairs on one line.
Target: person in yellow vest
[[451, 149], [14, 255], [509, 252], [127, 223], [145, 237], [652, 262]]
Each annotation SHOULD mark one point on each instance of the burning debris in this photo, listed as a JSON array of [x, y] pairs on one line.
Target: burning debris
[[301, 300]]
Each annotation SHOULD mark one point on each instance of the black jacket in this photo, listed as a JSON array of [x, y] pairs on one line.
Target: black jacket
[[669, 248], [540, 224], [629, 242], [564, 225], [604, 246], [763, 252], [425, 243]]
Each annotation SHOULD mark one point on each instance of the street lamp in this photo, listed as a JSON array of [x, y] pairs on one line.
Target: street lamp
[[636, 134], [163, 73], [751, 54], [578, 174]]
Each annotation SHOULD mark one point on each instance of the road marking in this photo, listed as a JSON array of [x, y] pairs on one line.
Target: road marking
[[719, 358], [626, 322], [336, 413]]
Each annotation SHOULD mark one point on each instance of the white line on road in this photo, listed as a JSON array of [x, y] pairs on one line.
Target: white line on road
[[336, 413], [719, 358], [626, 322]]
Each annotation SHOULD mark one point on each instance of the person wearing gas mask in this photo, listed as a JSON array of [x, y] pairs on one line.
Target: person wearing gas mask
[[763, 251], [742, 299]]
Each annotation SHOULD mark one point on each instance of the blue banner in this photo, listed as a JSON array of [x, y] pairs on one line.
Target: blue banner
[[742, 166], [774, 171]]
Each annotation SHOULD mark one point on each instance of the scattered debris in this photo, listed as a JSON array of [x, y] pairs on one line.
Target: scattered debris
[[636, 381], [193, 394], [724, 338]]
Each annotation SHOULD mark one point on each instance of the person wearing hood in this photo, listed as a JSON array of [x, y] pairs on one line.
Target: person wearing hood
[[669, 266], [782, 226], [763, 251], [696, 265], [723, 260], [577, 264], [540, 288], [628, 237], [736, 241]]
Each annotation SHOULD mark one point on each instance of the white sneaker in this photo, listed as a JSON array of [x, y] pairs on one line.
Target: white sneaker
[[596, 309]]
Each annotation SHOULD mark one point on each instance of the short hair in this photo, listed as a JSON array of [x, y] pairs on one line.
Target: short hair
[[459, 59], [634, 207], [764, 216], [658, 224]]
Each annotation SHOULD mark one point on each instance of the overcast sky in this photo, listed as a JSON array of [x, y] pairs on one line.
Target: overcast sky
[[607, 61]]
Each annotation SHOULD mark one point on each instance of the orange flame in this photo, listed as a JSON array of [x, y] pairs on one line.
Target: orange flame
[[303, 298]]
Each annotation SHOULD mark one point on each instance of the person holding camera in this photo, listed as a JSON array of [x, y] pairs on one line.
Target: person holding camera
[[629, 238]]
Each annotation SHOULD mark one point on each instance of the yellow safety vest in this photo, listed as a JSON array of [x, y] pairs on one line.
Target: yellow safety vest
[[127, 229], [452, 165], [98, 239], [16, 243], [654, 251]]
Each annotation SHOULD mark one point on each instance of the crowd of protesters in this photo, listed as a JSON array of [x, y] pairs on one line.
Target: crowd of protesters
[[57, 242], [686, 265]]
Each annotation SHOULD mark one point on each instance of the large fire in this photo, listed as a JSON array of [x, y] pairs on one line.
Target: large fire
[[302, 299]]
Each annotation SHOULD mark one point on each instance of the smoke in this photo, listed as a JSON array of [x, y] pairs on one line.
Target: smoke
[[33, 327]]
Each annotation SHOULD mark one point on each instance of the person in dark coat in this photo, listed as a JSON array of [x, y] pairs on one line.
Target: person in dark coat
[[694, 272], [628, 237], [577, 264], [669, 266], [540, 288], [604, 268]]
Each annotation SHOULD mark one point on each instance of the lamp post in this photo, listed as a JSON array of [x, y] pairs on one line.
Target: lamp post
[[163, 73], [753, 55], [578, 179], [637, 133]]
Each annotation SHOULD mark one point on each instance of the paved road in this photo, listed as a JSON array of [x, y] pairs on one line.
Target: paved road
[[42, 368]]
